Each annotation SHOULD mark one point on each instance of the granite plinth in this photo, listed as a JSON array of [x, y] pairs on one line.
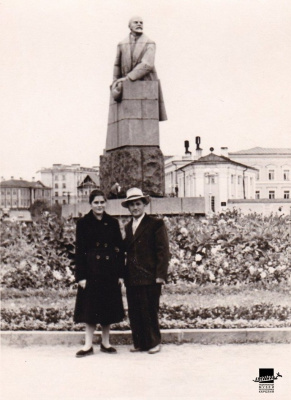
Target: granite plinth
[[135, 120], [141, 167]]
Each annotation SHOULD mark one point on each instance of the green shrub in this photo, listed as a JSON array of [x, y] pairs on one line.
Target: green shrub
[[228, 249]]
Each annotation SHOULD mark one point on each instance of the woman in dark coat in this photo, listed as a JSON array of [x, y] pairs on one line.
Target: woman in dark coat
[[99, 273]]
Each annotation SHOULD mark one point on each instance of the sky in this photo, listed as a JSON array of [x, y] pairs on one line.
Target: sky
[[224, 67]]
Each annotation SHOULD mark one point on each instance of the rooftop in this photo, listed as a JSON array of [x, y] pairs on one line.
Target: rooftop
[[262, 150], [215, 159], [20, 183]]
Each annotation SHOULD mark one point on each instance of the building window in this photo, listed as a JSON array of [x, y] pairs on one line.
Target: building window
[[286, 175], [271, 194], [239, 180], [286, 194], [64, 186], [56, 186], [8, 192], [56, 194], [232, 179], [14, 192], [56, 201], [2, 203], [56, 178], [257, 194], [271, 174], [64, 177], [64, 201], [3, 192], [210, 180], [212, 203], [64, 193], [258, 175]]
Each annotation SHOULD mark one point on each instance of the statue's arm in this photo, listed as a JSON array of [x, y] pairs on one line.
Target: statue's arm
[[117, 65], [146, 64]]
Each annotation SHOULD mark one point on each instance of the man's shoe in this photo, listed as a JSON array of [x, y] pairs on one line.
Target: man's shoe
[[135, 350], [155, 349], [109, 350], [84, 353]]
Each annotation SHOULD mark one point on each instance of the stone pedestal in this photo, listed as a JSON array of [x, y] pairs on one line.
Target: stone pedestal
[[135, 120], [132, 156], [141, 167]]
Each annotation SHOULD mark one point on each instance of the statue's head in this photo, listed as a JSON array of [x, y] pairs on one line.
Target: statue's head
[[136, 25]]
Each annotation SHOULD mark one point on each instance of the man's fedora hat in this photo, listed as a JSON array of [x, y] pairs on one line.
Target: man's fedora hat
[[135, 194]]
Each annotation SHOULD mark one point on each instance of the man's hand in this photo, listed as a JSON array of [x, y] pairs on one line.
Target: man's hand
[[160, 280], [126, 78], [120, 281], [82, 283]]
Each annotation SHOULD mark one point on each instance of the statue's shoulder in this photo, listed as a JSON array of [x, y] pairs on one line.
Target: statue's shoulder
[[142, 39], [124, 41], [146, 39]]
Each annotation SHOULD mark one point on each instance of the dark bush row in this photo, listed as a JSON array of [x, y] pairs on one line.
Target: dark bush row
[[177, 316]]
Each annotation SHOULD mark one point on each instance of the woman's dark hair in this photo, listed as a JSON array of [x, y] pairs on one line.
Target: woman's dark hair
[[94, 193]]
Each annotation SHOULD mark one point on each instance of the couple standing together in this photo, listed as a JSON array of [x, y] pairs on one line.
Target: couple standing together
[[104, 262]]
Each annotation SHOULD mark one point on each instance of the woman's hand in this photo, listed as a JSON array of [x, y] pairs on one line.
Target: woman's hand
[[82, 283]]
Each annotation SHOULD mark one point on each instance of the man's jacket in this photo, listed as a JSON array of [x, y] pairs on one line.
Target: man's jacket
[[147, 252]]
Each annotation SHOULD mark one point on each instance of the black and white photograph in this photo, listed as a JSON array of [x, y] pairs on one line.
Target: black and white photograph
[[145, 199]]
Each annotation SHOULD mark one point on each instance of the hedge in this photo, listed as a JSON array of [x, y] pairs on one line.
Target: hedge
[[176, 316], [226, 249]]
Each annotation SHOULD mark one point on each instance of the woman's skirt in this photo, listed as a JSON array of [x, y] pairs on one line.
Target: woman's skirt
[[99, 303]]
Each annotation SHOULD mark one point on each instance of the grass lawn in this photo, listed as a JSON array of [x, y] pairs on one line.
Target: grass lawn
[[192, 295]]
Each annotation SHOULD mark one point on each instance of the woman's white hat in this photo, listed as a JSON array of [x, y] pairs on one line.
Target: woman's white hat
[[135, 194]]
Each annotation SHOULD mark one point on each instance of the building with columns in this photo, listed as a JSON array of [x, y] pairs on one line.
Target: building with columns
[[21, 194], [218, 179], [273, 179]]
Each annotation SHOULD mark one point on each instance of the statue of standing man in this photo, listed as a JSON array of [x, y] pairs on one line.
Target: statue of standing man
[[132, 155], [135, 60]]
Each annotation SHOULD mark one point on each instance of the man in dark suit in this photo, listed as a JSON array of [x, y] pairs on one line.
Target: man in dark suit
[[147, 248]]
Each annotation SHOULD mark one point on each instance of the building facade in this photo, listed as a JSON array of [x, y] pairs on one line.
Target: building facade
[[217, 179], [21, 194], [273, 179], [65, 180], [89, 183]]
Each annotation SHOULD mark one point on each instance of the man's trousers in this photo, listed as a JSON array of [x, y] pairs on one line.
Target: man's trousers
[[143, 310]]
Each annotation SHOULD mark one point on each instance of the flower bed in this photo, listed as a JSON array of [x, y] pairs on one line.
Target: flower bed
[[175, 316], [228, 249]]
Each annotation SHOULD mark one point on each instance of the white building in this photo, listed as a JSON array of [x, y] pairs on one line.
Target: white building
[[65, 180], [273, 180], [173, 163], [217, 179]]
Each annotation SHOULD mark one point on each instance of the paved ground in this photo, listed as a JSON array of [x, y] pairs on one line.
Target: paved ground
[[188, 371]]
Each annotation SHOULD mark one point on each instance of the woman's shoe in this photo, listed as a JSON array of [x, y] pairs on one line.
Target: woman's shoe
[[110, 350], [135, 349], [155, 349], [84, 353]]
